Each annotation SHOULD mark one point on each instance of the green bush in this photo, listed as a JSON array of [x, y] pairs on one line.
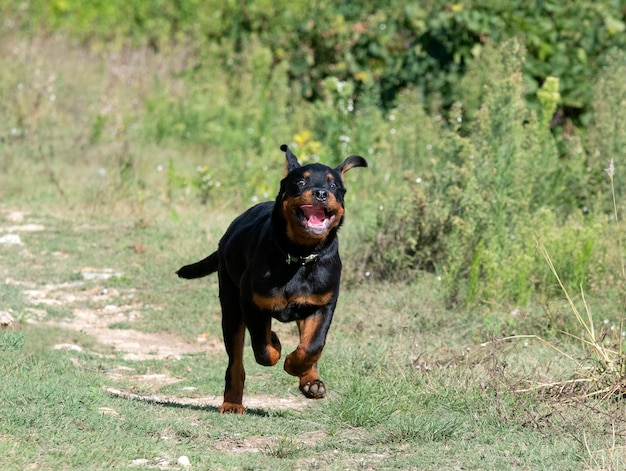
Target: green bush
[[403, 43], [493, 186]]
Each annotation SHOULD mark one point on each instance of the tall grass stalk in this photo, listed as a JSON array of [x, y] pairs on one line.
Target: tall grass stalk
[[606, 378], [610, 362], [610, 357], [611, 173], [608, 459], [590, 338]]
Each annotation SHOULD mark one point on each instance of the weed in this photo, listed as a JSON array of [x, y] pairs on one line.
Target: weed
[[11, 341], [611, 173], [283, 447], [436, 428], [604, 377]]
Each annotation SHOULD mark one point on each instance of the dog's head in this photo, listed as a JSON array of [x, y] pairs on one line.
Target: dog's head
[[311, 198]]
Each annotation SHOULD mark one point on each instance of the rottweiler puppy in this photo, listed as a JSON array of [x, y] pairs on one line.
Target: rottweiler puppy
[[280, 260]]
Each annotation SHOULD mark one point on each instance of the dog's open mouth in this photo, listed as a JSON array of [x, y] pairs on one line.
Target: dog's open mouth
[[315, 219]]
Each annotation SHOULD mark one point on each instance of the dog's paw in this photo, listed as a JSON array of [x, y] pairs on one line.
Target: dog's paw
[[231, 408], [313, 389]]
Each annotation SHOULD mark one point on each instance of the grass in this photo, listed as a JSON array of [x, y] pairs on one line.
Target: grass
[[415, 382], [458, 409]]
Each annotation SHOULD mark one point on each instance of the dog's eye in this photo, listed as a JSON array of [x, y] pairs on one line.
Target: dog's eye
[[332, 185], [301, 183]]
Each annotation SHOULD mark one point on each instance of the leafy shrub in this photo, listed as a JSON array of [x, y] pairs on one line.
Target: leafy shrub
[[472, 219], [426, 46]]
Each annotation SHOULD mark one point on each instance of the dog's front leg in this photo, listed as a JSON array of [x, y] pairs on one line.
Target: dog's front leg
[[234, 330], [302, 362], [235, 374], [265, 343]]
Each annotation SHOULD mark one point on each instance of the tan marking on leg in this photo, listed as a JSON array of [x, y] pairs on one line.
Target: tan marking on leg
[[231, 408], [299, 363], [304, 365], [273, 349]]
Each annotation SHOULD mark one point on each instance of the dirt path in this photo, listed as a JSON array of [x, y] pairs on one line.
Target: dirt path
[[97, 322], [97, 310]]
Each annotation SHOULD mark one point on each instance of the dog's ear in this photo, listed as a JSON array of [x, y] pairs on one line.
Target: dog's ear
[[292, 160], [351, 162]]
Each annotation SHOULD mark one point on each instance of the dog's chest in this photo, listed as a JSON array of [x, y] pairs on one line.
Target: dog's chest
[[294, 293]]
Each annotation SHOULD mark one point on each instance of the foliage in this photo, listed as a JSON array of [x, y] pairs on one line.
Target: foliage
[[471, 219], [427, 46], [463, 170]]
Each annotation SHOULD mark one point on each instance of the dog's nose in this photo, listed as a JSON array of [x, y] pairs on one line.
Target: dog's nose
[[321, 195]]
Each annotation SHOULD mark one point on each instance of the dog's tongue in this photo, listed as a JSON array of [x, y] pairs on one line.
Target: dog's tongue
[[315, 214]]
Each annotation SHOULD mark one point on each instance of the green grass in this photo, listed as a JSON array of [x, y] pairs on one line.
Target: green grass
[[460, 408]]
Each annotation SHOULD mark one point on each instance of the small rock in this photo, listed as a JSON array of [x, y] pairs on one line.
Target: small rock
[[184, 461], [137, 248], [91, 274], [11, 239], [68, 346], [6, 319]]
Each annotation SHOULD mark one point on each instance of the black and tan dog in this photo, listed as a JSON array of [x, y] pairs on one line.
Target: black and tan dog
[[280, 260]]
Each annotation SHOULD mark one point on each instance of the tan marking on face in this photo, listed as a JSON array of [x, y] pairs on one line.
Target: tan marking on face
[[295, 232], [336, 207], [298, 234]]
